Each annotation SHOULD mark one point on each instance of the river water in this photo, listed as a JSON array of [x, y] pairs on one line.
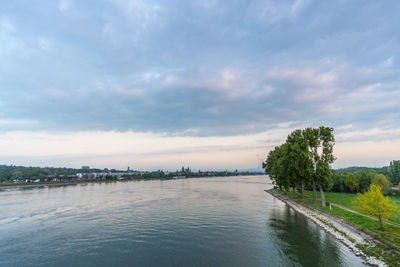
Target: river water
[[224, 221]]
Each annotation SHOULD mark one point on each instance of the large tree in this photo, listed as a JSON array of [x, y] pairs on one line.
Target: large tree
[[375, 204], [276, 166], [351, 182], [394, 171], [312, 137], [381, 181], [326, 159], [300, 165], [365, 179], [320, 146], [303, 159]]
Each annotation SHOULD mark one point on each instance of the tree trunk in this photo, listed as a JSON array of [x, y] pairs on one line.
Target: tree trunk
[[294, 190], [323, 202], [380, 221], [314, 193], [302, 189]]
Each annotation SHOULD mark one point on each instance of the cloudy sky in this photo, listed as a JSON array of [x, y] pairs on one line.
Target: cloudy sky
[[208, 83]]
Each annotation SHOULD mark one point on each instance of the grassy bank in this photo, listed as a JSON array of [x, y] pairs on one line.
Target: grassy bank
[[346, 200], [389, 236]]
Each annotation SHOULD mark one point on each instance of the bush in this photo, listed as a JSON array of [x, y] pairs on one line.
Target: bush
[[365, 177], [338, 178], [393, 192], [382, 181], [351, 182]]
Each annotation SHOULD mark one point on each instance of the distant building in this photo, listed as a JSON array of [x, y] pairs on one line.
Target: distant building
[[129, 170], [85, 167]]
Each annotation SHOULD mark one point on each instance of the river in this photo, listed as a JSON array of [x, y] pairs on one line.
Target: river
[[220, 221]]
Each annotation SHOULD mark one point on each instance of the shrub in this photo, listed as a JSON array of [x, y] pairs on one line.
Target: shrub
[[382, 181], [351, 182]]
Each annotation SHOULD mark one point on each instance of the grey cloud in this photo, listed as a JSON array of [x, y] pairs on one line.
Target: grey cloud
[[214, 67]]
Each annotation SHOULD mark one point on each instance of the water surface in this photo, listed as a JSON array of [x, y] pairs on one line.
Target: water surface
[[224, 221]]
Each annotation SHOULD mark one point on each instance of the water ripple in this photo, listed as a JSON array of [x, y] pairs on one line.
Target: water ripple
[[225, 221]]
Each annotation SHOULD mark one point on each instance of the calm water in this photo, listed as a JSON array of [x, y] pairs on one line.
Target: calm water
[[228, 221]]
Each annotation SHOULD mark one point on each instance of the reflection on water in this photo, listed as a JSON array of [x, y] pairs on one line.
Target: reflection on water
[[304, 243], [225, 221]]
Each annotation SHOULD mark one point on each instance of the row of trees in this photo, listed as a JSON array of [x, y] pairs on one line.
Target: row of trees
[[9, 172], [303, 161], [360, 181], [393, 171]]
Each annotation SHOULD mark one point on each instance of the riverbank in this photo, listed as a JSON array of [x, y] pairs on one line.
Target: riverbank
[[48, 184], [354, 239], [97, 181], [76, 182]]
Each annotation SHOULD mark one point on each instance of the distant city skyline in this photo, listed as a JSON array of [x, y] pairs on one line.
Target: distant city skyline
[[211, 84]]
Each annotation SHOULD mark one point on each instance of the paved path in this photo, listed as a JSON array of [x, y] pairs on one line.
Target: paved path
[[355, 212]]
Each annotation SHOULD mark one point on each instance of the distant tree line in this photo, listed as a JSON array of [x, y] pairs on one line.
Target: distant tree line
[[360, 181], [161, 174], [392, 172], [11, 172], [303, 161]]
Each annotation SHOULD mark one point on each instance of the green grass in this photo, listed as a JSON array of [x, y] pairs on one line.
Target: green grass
[[346, 200], [388, 250], [390, 235], [396, 199], [380, 251]]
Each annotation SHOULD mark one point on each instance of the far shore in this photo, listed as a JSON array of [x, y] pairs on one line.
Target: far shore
[[66, 183], [43, 184], [27, 185]]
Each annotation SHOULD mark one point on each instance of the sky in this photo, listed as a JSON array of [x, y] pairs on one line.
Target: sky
[[208, 84]]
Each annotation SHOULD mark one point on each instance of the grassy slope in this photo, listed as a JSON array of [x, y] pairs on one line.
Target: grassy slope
[[388, 251], [390, 234], [346, 199]]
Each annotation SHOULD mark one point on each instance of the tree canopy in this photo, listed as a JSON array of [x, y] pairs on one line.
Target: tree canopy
[[394, 171], [303, 160], [352, 182], [381, 181], [375, 204]]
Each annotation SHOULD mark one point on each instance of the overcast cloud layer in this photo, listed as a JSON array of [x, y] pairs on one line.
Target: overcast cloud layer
[[206, 70]]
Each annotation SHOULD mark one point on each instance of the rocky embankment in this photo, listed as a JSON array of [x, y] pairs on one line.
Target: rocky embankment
[[343, 232]]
